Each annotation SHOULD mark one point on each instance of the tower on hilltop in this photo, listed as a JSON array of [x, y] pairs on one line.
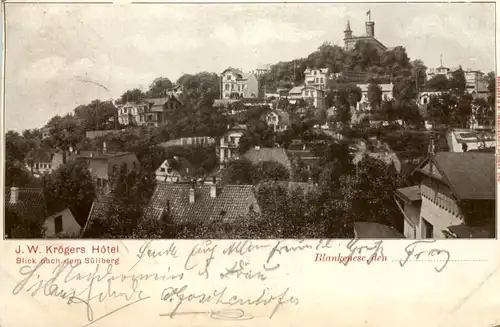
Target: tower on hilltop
[[350, 40], [348, 31], [370, 26]]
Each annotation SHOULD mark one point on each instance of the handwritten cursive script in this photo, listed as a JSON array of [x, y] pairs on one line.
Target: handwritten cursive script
[[414, 252], [180, 296]]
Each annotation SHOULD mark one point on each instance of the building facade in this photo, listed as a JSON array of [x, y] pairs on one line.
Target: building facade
[[277, 119], [317, 78], [236, 84], [350, 40], [474, 81], [473, 140], [364, 102], [229, 144], [312, 95], [129, 113], [454, 191], [103, 165], [150, 112]]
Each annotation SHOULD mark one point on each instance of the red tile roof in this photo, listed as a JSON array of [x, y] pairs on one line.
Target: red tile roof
[[30, 203], [99, 210], [231, 203]]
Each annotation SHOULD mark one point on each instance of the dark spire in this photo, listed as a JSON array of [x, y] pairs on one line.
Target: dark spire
[[348, 27]]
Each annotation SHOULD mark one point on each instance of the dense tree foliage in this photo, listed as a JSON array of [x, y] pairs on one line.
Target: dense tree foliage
[[70, 186], [159, 87], [17, 148], [23, 227], [242, 171], [124, 214]]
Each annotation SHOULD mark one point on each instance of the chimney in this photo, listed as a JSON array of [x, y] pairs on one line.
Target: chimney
[[431, 147], [104, 147], [310, 181], [64, 156], [168, 209], [257, 147], [213, 190], [14, 195], [176, 158], [191, 193]]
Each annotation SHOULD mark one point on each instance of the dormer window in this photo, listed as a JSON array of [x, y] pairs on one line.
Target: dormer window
[[228, 77]]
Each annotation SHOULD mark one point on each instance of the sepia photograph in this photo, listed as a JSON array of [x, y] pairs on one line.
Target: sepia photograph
[[250, 121]]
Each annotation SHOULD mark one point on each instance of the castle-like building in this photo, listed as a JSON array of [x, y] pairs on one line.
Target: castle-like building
[[350, 40]]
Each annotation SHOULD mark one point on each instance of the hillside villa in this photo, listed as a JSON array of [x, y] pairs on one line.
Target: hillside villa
[[453, 196]]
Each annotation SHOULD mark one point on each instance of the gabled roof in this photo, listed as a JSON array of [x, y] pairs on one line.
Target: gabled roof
[[369, 38], [236, 128], [470, 175], [235, 71], [283, 116], [231, 203], [30, 203], [99, 210], [279, 155], [296, 90], [410, 194], [160, 102]]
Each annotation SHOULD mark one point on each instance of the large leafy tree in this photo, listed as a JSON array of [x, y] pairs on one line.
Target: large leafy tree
[[199, 89], [70, 186], [134, 95], [374, 96], [269, 171], [67, 131], [125, 212], [438, 83], [23, 227], [457, 81], [484, 113], [238, 171], [364, 196], [463, 110], [159, 87], [16, 150], [96, 115]]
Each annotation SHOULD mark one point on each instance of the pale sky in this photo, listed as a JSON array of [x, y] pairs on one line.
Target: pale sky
[[52, 50]]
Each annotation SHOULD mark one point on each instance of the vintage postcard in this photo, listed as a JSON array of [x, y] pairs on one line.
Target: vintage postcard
[[249, 163]]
